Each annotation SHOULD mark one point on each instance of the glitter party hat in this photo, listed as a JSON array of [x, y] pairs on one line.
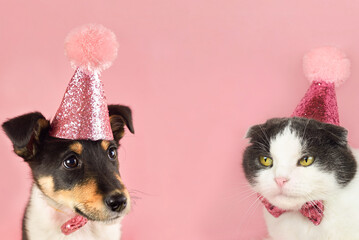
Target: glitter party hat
[[83, 113], [326, 68]]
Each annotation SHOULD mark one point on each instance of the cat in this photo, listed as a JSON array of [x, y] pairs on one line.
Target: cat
[[294, 161]]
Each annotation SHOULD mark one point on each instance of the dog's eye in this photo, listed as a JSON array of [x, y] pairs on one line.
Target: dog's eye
[[71, 162], [112, 153]]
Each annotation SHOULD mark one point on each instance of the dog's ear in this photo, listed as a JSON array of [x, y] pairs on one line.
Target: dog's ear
[[26, 132], [119, 117]]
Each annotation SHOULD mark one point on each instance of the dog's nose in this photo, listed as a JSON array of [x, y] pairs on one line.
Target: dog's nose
[[116, 202]]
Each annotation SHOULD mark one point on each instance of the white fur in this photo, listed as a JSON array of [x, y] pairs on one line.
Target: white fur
[[341, 213], [43, 222]]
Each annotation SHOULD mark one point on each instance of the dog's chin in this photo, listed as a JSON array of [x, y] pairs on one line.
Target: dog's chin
[[110, 218], [115, 220]]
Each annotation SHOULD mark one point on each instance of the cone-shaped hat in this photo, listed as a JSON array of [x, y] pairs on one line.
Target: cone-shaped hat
[[83, 113], [326, 68]]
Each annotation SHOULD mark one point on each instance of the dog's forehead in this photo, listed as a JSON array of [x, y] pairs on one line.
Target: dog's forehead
[[79, 146], [104, 144]]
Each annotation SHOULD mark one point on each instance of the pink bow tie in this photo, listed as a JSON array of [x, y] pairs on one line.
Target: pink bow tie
[[312, 210], [73, 224]]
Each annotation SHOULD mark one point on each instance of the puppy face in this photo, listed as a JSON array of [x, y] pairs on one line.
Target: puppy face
[[82, 175]]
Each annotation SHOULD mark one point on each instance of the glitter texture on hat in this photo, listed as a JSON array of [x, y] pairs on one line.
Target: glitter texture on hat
[[325, 68], [83, 113]]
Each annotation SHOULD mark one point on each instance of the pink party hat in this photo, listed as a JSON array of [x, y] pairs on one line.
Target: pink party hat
[[83, 113], [326, 68]]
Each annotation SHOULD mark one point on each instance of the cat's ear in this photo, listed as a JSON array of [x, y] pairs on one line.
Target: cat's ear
[[336, 134], [271, 126], [26, 133], [254, 131], [119, 117]]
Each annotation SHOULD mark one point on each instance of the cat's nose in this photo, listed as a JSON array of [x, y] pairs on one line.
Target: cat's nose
[[281, 181]]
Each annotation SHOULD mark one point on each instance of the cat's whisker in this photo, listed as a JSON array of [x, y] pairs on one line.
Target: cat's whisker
[[247, 215], [262, 145], [249, 209], [240, 195], [265, 134], [265, 138], [311, 201], [240, 185], [246, 191], [255, 207], [305, 128]]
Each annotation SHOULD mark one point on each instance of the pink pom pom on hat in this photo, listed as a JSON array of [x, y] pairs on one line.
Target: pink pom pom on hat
[[83, 112], [92, 47], [325, 68]]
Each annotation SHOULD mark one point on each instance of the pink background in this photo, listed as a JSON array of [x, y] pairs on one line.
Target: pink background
[[197, 74]]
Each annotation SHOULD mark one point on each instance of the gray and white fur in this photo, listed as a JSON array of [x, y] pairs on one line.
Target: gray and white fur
[[332, 177]]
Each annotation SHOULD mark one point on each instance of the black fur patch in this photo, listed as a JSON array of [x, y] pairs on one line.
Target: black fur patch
[[326, 142]]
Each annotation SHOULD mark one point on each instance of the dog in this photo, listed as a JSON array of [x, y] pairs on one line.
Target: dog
[[77, 188]]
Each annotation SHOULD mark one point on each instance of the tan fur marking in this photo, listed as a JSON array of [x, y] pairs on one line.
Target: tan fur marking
[[126, 193], [84, 196], [119, 179], [105, 144], [124, 190], [20, 151], [41, 124], [47, 185], [117, 125], [76, 147]]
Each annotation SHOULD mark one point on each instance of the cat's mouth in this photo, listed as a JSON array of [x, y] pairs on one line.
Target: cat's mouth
[[287, 192], [285, 195], [287, 201]]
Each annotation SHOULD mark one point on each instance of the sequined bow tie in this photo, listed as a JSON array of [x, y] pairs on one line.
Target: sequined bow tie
[[73, 224], [312, 210]]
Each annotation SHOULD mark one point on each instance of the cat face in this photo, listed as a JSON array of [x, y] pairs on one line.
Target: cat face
[[295, 160]]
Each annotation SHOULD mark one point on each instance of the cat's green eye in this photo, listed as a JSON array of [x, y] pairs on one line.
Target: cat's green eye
[[266, 161], [306, 161]]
